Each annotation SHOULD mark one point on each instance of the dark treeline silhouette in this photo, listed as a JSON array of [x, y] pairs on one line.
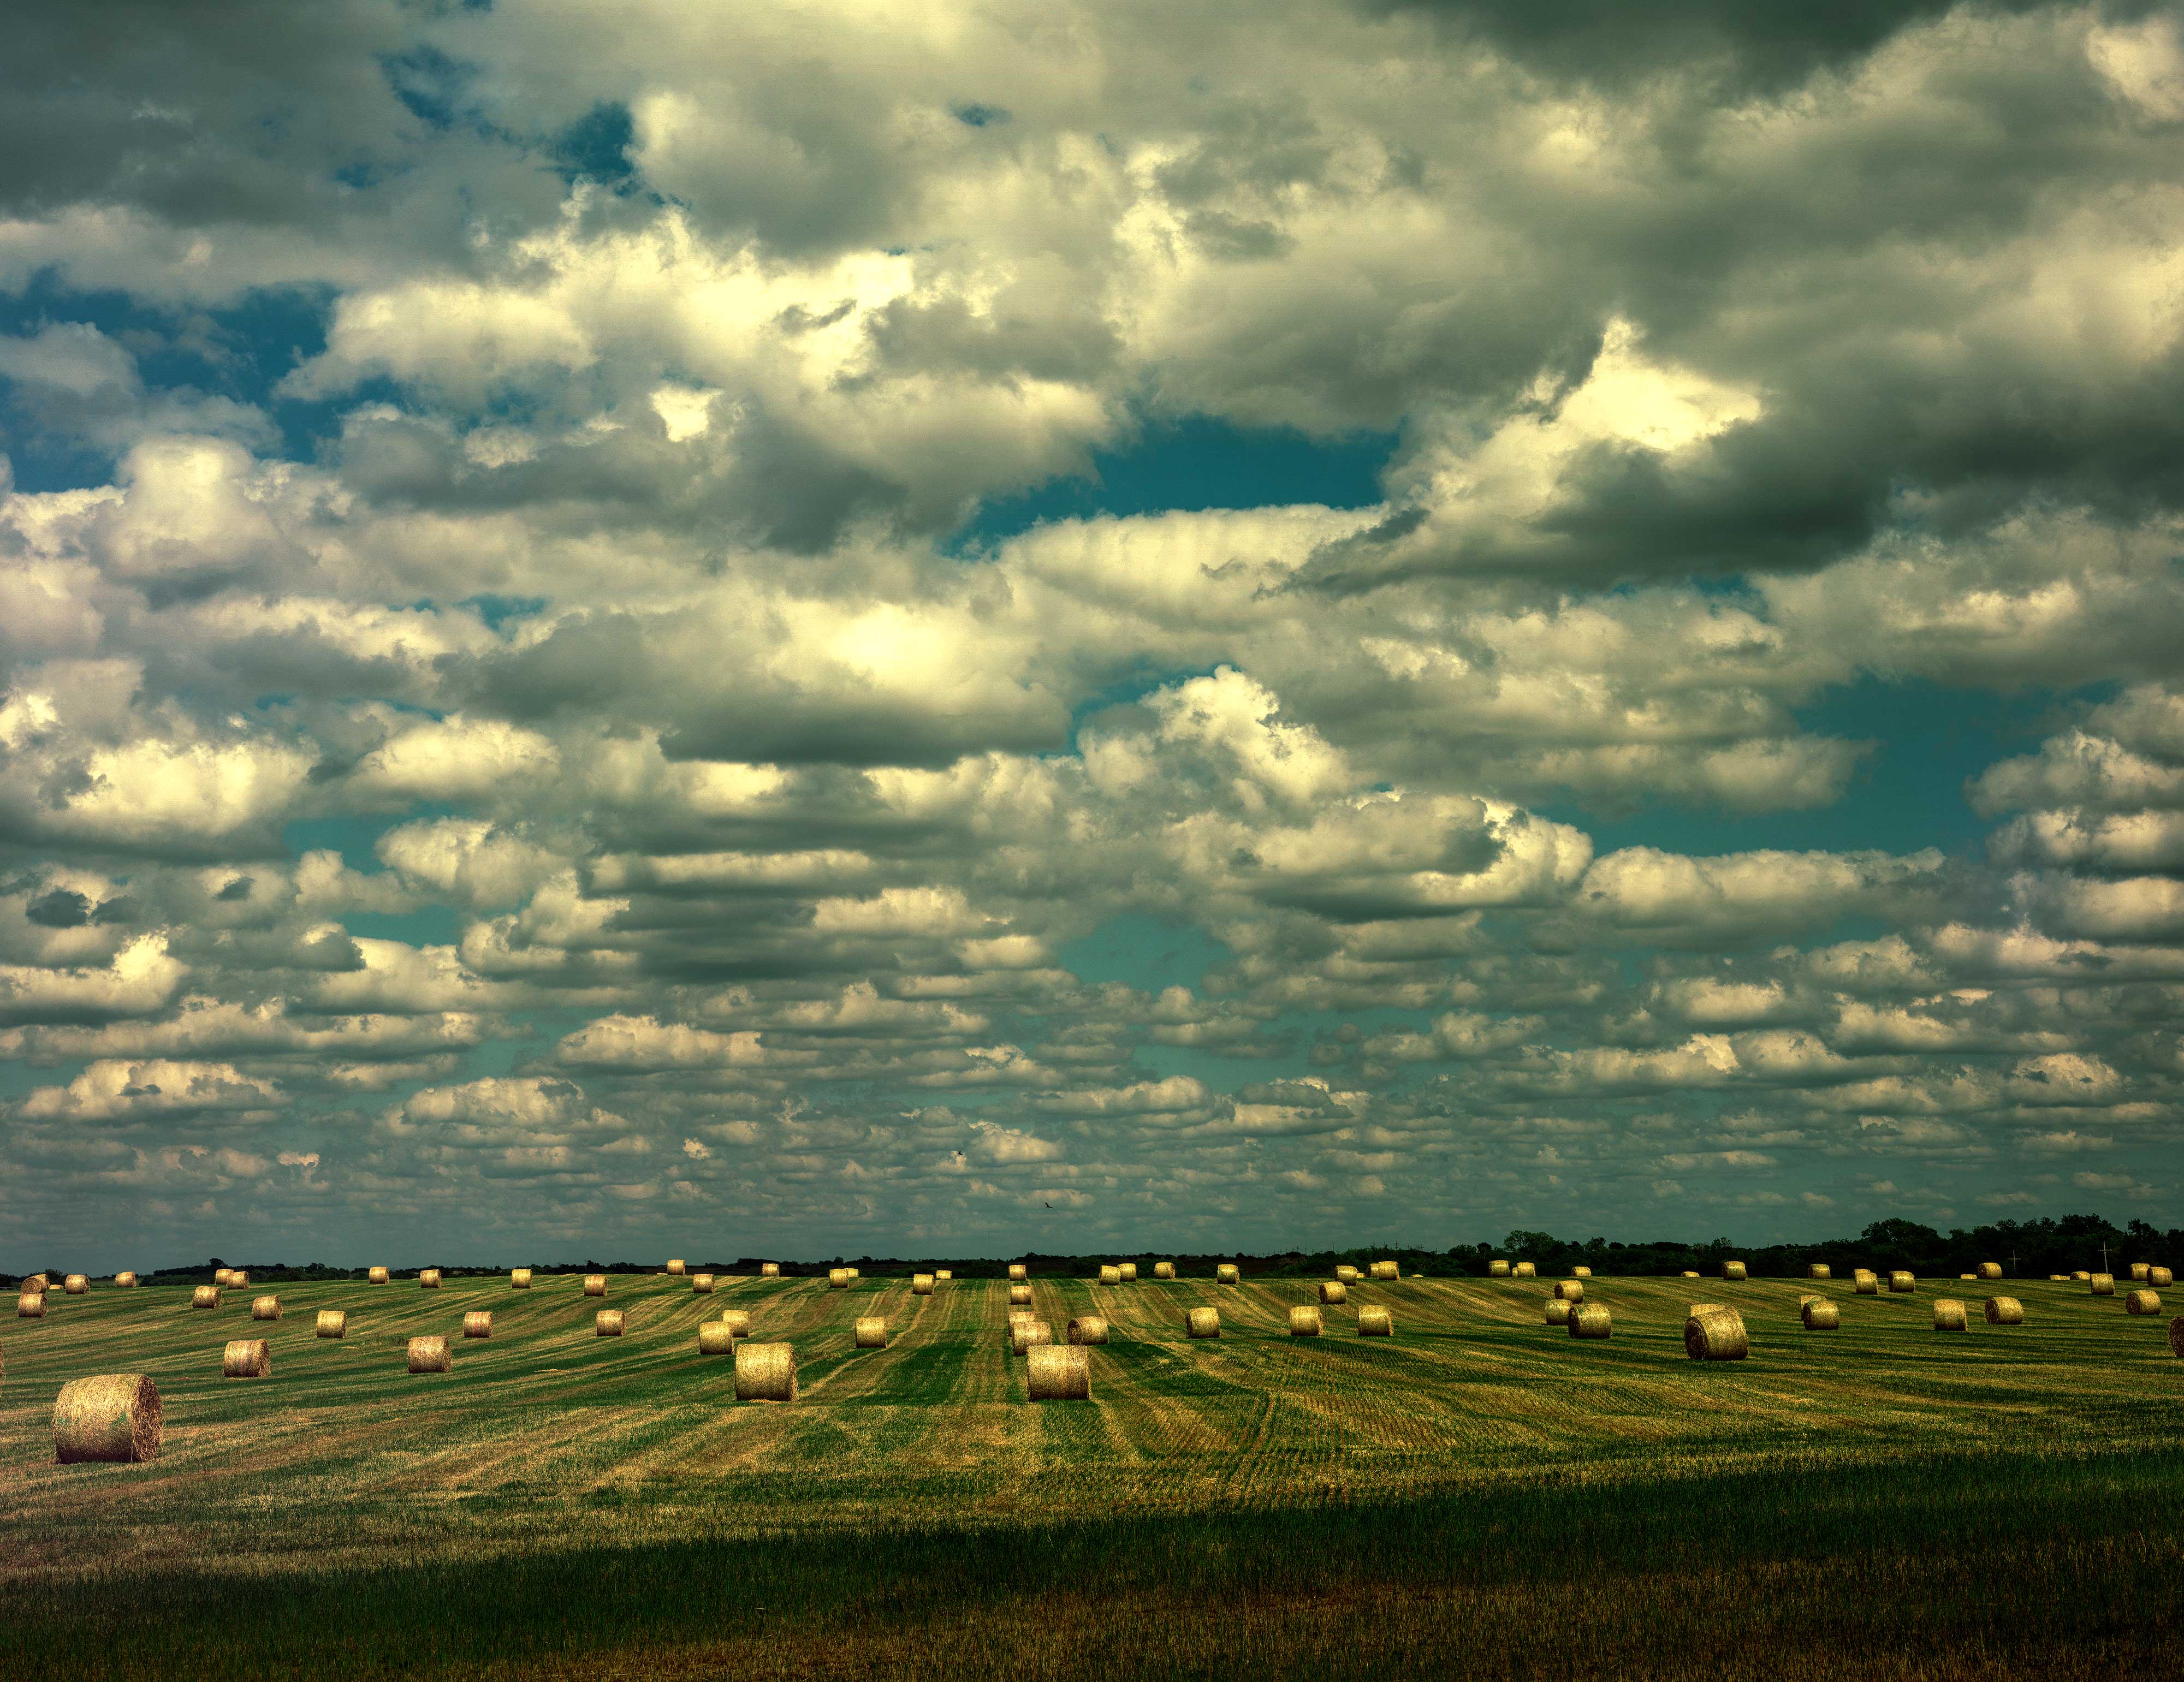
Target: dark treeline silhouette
[[2026, 1250]]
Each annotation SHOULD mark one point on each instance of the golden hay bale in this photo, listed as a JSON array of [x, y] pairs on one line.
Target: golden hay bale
[[701, 1284], [769, 1270], [1226, 1273], [1819, 1270], [1017, 1314], [430, 1355], [1570, 1290], [1332, 1291], [247, 1358], [1865, 1282], [1058, 1372], [1203, 1322], [519, 1278], [31, 1305], [478, 1323], [595, 1284], [854, 1276], [1304, 1321], [1716, 1333], [378, 1276], [1088, 1328], [114, 1415], [75, 1286], [206, 1296], [265, 1308], [1990, 1269], [1558, 1310], [1163, 1270], [870, 1332], [920, 1284], [1526, 1270], [1111, 1276], [2080, 1276], [2176, 1337], [2138, 1269], [1732, 1270], [1901, 1283], [2141, 1302], [1385, 1270], [2059, 1278], [1347, 1273], [1973, 1276], [1375, 1323], [1027, 1335], [1580, 1273], [2103, 1284], [1019, 1295], [1129, 1272], [2004, 1311], [736, 1320], [715, 1338], [678, 1269], [124, 1281], [2160, 1277], [766, 1372], [222, 1277], [239, 1279], [942, 1274], [607, 1323], [1017, 1271], [838, 1279], [428, 1278], [1497, 1269], [1949, 1314], [333, 1322], [1821, 1315], [1690, 1273], [1590, 1320]]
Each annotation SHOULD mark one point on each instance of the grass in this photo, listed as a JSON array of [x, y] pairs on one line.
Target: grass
[[1480, 1495]]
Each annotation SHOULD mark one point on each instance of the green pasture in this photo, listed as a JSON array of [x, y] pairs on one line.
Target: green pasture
[[1479, 1494]]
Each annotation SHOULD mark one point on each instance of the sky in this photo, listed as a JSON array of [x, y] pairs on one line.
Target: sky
[[848, 629]]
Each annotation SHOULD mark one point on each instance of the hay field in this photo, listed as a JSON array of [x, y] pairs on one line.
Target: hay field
[[1480, 1493]]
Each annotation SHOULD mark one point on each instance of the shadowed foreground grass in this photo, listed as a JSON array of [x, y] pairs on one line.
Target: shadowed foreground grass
[[1971, 1567]]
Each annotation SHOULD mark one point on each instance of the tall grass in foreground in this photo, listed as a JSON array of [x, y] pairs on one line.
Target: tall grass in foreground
[[1938, 1567]]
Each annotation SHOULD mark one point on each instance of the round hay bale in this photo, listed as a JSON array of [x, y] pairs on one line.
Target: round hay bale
[[74, 1284], [736, 1320], [715, 1338], [265, 1308], [2103, 1284], [239, 1279], [1129, 1272], [1225, 1274], [1332, 1291], [2141, 1302], [2004, 1311], [1865, 1282], [1058, 1372], [2079, 1276], [1716, 1334], [839, 1278], [124, 1281], [1028, 1334], [1570, 1290], [1385, 1270], [1732, 1270], [31, 1305], [1580, 1273], [1691, 1273], [942, 1275], [1304, 1321], [607, 1323], [1019, 1295], [247, 1358], [428, 1278], [1347, 1273], [1820, 1315], [1375, 1323], [430, 1355], [701, 1284], [1018, 1272], [113, 1416], [1497, 1269], [1203, 1322], [2138, 1269], [2161, 1278], [1526, 1270], [854, 1276], [1111, 1276], [769, 1270], [1902, 1284], [378, 1276], [1949, 1314], [920, 1284], [519, 1278], [1558, 1310], [333, 1322], [1163, 1270], [222, 1277], [206, 1296], [676, 1269], [595, 1284], [766, 1372], [870, 1332], [1819, 1270], [1088, 1328], [2059, 1278], [1972, 1277], [2176, 1337], [1990, 1269], [1590, 1320], [478, 1323]]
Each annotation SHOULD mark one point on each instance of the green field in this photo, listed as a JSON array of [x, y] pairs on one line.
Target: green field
[[1480, 1494]]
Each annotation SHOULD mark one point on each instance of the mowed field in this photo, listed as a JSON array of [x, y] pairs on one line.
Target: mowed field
[[1480, 1493]]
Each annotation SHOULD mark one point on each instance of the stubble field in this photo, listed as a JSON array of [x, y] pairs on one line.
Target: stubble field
[[1480, 1494]]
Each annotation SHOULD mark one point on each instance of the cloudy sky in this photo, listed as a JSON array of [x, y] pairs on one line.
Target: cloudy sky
[[648, 628]]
